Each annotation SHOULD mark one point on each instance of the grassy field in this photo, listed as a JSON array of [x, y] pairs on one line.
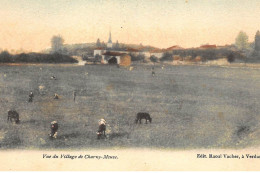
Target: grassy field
[[191, 106]]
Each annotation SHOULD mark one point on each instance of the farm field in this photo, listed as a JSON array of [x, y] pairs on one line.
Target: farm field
[[191, 106]]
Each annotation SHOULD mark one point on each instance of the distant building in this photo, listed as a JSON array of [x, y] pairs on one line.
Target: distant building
[[160, 52], [157, 53], [122, 59], [99, 51], [116, 51], [111, 58], [172, 48], [176, 47], [125, 60], [208, 46]]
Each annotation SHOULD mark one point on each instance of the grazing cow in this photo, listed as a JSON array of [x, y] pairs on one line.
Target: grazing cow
[[54, 129], [53, 77], [31, 96], [56, 96], [143, 115], [12, 114], [101, 128]]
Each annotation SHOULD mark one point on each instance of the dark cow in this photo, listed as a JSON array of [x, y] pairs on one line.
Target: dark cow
[[54, 129], [12, 114], [143, 115], [101, 128]]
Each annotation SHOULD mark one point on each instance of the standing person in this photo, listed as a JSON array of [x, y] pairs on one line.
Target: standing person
[[31, 96], [101, 128], [74, 96], [153, 72], [54, 129]]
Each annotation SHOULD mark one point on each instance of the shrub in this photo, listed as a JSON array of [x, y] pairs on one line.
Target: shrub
[[5, 57], [139, 57], [167, 57], [154, 58], [206, 54], [231, 58]]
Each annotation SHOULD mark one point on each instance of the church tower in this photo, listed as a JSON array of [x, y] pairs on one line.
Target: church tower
[[109, 43]]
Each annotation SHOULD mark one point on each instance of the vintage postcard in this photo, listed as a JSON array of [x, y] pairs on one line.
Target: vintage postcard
[[130, 85]]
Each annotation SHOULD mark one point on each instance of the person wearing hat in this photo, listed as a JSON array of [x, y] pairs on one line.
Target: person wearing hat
[[102, 121], [54, 129], [31, 96], [101, 128]]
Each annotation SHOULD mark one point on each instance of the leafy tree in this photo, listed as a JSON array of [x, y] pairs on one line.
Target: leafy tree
[[5, 56], [257, 41], [57, 44], [117, 45], [242, 40], [65, 51], [167, 57], [231, 57], [139, 57], [103, 44]]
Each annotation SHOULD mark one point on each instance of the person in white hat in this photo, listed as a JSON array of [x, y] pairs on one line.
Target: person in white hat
[[102, 128], [54, 129]]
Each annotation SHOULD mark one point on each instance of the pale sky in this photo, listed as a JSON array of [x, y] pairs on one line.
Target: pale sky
[[30, 24]]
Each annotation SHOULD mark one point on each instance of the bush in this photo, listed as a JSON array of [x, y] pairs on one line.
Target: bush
[[230, 58], [207, 54], [85, 58], [139, 57], [5, 57], [167, 57], [97, 58], [154, 58]]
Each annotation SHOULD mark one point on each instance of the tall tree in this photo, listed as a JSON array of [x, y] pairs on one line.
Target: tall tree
[[103, 44], [98, 44], [242, 40], [57, 44], [117, 45], [257, 41]]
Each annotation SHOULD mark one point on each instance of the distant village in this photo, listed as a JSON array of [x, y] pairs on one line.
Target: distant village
[[126, 54], [110, 53]]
